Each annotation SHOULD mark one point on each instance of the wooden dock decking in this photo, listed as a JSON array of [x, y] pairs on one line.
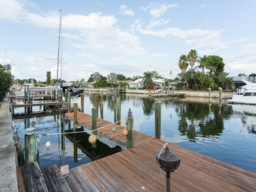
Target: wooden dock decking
[[85, 120], [136, 169], [14, 105]]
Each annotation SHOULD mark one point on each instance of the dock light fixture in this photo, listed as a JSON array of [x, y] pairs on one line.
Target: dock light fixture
[[169, 162], [63, 110], [129, 113]]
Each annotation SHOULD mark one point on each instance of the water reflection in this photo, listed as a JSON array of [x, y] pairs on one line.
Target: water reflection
[[102, 149], [221, 131]]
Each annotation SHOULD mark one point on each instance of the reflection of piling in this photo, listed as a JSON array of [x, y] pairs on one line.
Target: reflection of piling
[[30, 148], [118, 110], [82, 103], [69, 125], [101, 104], [62, 131], [75, 117], [129, 137], [75, 148], [94, 119], [158, 120]]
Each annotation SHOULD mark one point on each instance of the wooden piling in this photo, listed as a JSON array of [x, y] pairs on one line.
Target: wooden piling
[[75, 117], [118, 110], [69, 101], [101, 110], [94, 119], [220, 90], [30, 148], [82, 103], [158, 120], [66, 96], [129, 137], [97, 104]]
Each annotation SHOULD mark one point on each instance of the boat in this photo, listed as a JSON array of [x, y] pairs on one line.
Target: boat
[[247, 93], [71, 89]]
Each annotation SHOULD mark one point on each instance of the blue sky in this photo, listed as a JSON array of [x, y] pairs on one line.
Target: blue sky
[[127, 37]]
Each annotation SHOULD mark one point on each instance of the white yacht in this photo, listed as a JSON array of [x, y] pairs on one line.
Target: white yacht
[[246, 95]]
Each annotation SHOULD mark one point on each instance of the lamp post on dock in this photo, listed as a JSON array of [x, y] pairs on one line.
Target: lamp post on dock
[[169, 162]]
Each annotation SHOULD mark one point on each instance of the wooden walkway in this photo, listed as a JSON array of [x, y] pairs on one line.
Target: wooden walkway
[[137, 170], [14, 105], [117, 137]]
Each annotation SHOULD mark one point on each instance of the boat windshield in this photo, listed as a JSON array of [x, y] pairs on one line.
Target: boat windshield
[[250, 94], [252, 79]]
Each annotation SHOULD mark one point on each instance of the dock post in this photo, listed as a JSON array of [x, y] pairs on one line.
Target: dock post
[[75, 117], [97, 104], [69, 102], [82, 103], [66, 96], [158, 120], [101, 104], [94, 119], [118, 110], [30, 148], [61, 94], [129, 137], [220, 90]]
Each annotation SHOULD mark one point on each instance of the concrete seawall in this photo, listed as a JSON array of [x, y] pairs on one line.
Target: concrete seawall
[[8, 179], [203, 94]]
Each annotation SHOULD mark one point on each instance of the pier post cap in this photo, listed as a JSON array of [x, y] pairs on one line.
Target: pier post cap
[[129, 113], [30, 131]]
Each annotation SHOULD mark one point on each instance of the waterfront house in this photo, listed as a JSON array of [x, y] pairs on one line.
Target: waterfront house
[[139, 83]]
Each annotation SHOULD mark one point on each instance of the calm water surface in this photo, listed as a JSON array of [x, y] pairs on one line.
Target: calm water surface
[[223, 132]]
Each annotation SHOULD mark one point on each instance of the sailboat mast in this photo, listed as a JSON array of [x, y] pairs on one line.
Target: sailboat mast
[[58, 53]]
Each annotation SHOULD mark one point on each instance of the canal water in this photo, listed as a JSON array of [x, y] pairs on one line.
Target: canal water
[[220, 131]]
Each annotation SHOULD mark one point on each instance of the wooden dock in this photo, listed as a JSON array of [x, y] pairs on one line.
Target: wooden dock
[[14, 105], [136, 169]]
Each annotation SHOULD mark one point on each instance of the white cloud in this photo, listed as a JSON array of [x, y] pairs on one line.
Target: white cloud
[[84, 54], [242, 61], [158, 10], [126, 11], [242, 40], [159, 55], [34, 69], [156, 22], [102, 4], [96, 30], [195, 38], [202, 6], [69, 36]]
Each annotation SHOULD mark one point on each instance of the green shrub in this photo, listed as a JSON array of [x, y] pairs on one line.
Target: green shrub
[[215, 87]]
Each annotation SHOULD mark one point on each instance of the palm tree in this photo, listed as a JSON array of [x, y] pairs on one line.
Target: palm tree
[[147, 78], [192, 58], [203, 64], [183, 63]]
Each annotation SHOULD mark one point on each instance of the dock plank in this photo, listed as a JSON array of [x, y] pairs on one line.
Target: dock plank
[[136, 169]]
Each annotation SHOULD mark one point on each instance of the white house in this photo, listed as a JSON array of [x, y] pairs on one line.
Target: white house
[[139, 83]]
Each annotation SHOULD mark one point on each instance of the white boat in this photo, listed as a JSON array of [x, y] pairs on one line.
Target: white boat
[[246, 95]]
